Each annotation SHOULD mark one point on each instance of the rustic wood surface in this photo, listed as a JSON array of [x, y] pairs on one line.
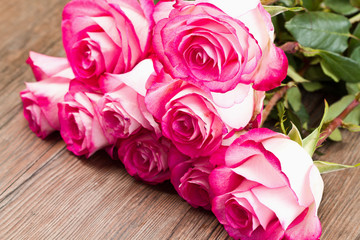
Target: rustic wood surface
[[48, 193]]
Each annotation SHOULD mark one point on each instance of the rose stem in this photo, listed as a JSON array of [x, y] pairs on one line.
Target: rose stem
[[338, 120], [272, 102]]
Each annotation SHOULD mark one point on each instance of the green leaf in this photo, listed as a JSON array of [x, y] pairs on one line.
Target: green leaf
[[311, 5], [295, 135], [336, 108], [328, 72], [295, 76], [355, 55], [353, 88], [275, 10], [336, 135], [352, 119], [336, 66], [351, 127], [326, 167], [316, 74], [312, 86], [309, 52], [341, 6], [294, 98], [304, 116], [310, 142], [292, 117], [320, 30], [354, 43], [340, 67]]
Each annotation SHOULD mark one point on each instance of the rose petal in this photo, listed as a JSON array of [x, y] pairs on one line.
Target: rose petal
[[306, 226], [48, 93], [135, 79], [228, 6], [45, 67], [269, 77], [275, 199], [300, 163]]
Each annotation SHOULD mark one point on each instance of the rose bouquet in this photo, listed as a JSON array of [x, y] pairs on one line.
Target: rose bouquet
[[176, 91]]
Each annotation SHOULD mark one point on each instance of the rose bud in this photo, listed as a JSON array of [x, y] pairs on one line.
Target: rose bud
[[45, 67]]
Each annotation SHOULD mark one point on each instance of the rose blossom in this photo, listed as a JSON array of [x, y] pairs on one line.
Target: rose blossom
[[145, 156], [40, 98], [122, 108], [45, 67], [190, 178], [106, 36], [217, 46], [266, 187], [79, 124], [196, 121], [40, 101]]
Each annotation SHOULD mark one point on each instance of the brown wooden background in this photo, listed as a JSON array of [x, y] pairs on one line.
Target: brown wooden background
[[48, 193]]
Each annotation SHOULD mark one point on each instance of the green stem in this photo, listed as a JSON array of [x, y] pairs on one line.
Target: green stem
[[355, 18]]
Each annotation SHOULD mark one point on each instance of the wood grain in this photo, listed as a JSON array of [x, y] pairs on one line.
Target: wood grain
[[48, 193]]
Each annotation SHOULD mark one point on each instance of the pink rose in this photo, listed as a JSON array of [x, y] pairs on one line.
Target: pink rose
[[190, 178], [187, 118], [106, 36], [45, 67], [122, 108], [145, 156], [79, 124], [216, 45], [266, 187], [196, 121], [40, 101]]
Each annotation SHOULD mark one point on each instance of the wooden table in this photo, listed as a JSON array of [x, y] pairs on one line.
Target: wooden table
[[48, 193]]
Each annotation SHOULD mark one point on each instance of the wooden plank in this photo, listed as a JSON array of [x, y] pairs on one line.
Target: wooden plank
[[34, 26], [340, 208], [22, 152], [48, 193], [77, 198], [70, 197]]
